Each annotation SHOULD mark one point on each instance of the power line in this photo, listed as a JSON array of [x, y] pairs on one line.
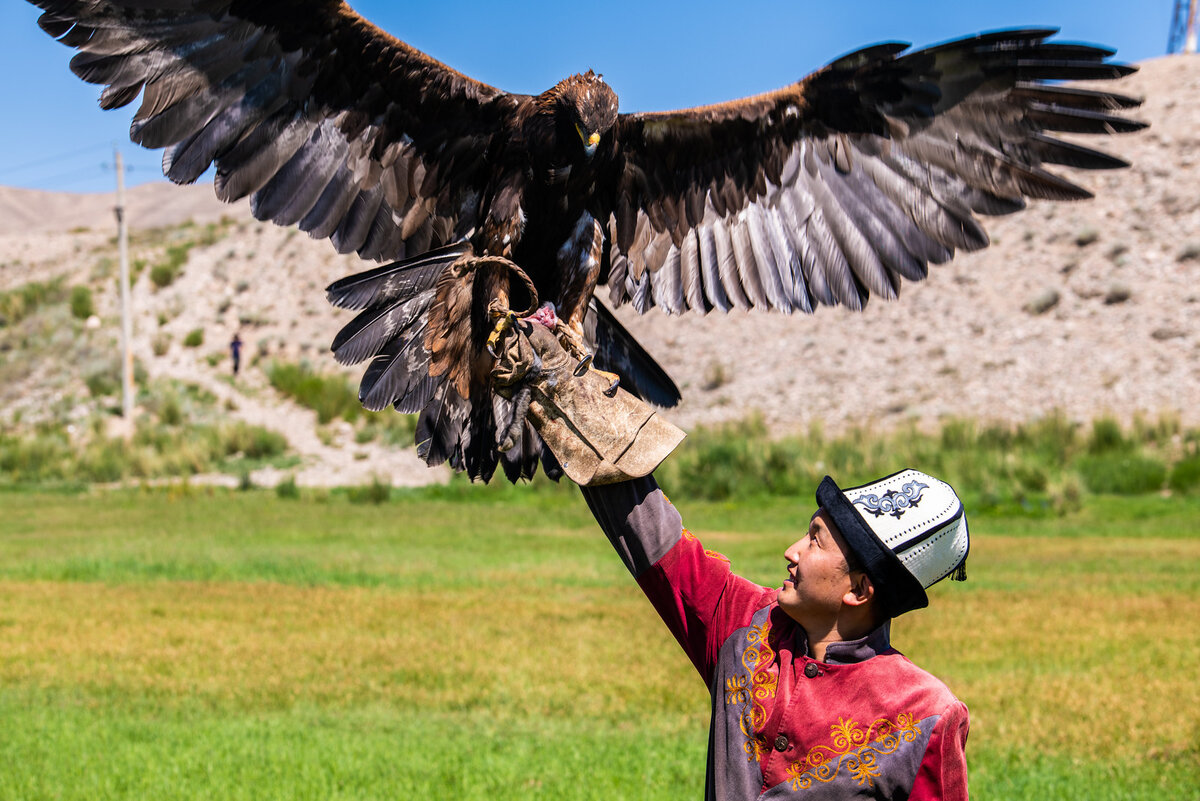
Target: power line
[[50, 159], [79, 176]]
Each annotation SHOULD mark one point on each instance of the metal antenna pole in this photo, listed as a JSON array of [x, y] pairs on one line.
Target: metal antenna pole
[[1190, 43], [1183, 27], [126, 315]]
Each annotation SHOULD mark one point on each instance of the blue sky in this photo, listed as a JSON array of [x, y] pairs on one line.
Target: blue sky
[[656, 55]]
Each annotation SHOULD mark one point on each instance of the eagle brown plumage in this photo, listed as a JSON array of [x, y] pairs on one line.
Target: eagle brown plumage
[[826, 191]]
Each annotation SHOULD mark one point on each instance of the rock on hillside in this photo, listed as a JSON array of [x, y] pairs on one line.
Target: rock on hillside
[[1088, 308]]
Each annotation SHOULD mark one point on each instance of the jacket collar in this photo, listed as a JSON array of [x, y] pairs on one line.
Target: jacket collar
[[849, 652]]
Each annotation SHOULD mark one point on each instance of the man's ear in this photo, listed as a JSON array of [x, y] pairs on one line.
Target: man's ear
[[861, 589]]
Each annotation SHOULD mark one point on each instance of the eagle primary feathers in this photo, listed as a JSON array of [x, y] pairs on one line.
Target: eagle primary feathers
[[826, 191]]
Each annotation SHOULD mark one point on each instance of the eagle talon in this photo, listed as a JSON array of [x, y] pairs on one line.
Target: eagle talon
[[505, 322], [613, 378], [583, 365]]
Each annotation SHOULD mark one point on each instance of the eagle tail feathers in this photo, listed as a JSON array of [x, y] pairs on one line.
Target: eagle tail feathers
[[401, 280]]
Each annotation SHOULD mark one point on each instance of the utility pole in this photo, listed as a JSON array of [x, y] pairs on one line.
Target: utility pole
[[1183, 27], [126, 313], [1190, 45]]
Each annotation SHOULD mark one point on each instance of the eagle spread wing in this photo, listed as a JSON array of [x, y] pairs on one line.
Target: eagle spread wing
[[859, 175], [823, 192]]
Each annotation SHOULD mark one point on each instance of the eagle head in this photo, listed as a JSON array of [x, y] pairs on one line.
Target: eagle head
[[584, 106]]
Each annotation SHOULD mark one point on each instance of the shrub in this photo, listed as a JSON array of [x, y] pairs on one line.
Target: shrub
[[287, 489], [330, 397], [376, 492], [394, 429], [715, 376], [1106, 437], [17, 304], [102, 383], [194, 338], [170, 412], [161, 343], [1185, 475], [1121, 473], [104, 460], [162, 275], [253, 442], [81, 303]]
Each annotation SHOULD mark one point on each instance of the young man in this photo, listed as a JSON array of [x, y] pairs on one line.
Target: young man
[[809, 699]]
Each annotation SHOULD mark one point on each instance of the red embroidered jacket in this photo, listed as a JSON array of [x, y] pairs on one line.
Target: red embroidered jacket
[[865, 723]]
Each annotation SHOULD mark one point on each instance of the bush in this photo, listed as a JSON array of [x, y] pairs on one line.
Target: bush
[[376, 492], [1121, 473], [1185, 475], [287, 489], [164, 273], [161, 343], [161, 275], [331, 397], [194, 338], [170, 412], [81, 303], [252, 442], [17, 304], [102, 383], [1106, 437]]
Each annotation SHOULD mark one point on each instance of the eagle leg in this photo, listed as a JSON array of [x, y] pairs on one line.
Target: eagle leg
[[505, 318], [508, 439]]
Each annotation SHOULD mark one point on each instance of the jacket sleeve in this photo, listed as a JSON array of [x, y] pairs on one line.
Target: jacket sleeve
[[943, 770], [693, 589]]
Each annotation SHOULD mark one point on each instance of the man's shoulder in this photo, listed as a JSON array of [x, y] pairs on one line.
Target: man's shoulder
[[911, 681]]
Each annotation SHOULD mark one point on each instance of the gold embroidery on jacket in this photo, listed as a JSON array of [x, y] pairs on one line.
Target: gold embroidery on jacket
[[859, 747], [759, 660], [690, 537]]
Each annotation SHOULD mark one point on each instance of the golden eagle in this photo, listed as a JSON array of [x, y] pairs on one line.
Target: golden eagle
[[826, 191]]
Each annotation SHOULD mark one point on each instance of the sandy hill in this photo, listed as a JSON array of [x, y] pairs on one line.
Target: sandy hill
[[30, 211], [1089, 308]]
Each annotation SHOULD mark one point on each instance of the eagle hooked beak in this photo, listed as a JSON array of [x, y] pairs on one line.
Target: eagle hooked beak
[[589, 142]]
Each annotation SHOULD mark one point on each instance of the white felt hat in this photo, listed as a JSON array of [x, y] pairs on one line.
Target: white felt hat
[[908, 530]]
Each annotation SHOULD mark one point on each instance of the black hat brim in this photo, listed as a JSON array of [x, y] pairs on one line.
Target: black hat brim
[[898, 589]]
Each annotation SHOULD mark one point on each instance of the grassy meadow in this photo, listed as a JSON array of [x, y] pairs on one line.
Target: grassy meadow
[[484, 642]]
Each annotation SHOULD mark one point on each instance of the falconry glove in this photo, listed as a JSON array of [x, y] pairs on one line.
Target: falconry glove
[[597, 438]]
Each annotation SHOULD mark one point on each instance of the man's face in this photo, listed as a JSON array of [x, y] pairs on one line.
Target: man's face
[[818, 574]]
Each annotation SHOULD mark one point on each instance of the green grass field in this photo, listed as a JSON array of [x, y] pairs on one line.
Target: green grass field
[[486, 643]]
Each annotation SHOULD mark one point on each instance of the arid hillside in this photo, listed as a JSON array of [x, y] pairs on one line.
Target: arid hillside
[[1087, 308]]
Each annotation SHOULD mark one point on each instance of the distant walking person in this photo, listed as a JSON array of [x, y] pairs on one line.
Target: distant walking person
[[235, 349]]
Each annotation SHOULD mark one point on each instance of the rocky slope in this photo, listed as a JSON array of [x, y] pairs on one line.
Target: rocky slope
[[1089, 308]]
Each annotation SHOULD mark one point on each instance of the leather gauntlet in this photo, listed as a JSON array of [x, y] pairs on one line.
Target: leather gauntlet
[[597, 439]]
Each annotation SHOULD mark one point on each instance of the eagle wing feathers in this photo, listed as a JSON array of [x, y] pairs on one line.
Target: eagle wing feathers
[[837, 187], [324, 120]]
